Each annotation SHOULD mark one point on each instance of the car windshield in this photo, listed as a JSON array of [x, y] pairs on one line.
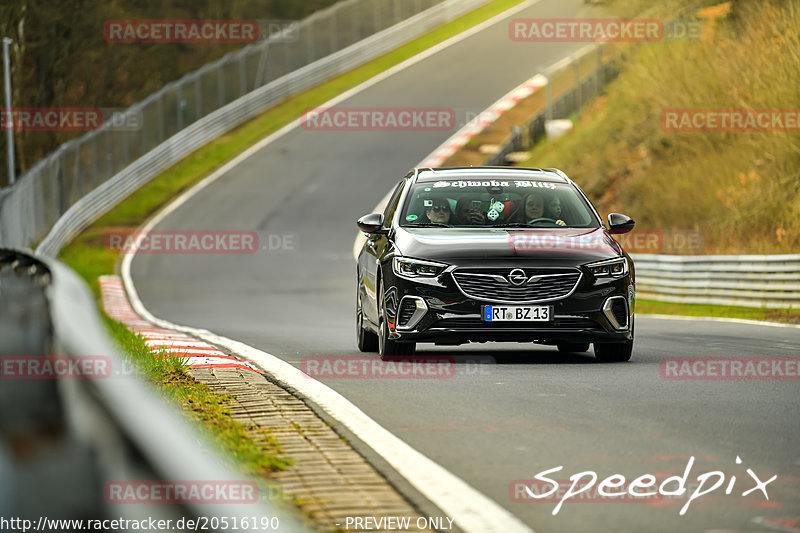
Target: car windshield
[[491, 202]]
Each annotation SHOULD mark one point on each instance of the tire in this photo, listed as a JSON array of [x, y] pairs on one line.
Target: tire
[[614, 352], [366, 340], [387, 348], [573, 347]]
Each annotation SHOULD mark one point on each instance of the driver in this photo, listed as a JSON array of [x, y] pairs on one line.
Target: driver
[[533, 204]]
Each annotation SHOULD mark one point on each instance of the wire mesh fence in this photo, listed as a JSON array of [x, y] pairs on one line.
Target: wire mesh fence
[[41, 196]]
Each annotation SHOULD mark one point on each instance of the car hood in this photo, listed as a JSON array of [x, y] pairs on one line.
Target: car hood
[[569, 244]]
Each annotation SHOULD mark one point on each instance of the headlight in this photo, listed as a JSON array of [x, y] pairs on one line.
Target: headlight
[[416, 268], [611, 268]]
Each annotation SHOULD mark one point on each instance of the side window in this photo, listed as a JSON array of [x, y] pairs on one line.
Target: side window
[[391, 205]]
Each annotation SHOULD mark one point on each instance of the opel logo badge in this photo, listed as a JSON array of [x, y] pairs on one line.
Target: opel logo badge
[[517, 277]]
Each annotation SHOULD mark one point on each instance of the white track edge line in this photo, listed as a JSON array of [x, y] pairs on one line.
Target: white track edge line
[[470, 509]]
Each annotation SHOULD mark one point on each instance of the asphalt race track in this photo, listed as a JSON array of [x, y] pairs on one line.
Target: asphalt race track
[[524, 409]]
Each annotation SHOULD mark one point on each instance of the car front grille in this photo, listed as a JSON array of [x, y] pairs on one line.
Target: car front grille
[[493, 285]]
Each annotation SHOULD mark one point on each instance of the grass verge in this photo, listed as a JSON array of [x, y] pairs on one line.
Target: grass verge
[[790, 316], [253, 448]]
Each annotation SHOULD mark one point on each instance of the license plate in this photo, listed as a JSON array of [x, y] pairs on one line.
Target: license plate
[[516, 313]]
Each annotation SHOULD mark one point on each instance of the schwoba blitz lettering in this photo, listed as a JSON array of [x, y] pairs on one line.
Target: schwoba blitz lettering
[[647, 485]]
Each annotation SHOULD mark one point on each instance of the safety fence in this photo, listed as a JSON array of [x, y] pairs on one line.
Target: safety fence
[[71, 187], [771, 281], [79, 421]]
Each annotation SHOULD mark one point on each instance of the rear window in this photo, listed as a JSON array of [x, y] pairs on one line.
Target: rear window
[[487, 202]]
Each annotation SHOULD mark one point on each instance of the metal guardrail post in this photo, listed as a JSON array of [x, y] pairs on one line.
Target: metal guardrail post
[[548, 96], [198, 95], [600, 71], [10, 128]]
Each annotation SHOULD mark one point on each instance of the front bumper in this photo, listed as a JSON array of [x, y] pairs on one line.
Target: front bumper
[[595, 311]]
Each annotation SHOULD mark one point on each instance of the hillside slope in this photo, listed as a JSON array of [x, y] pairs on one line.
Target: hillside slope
[[741, 189]]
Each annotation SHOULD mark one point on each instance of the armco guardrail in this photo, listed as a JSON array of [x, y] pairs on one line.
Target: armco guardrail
[[63, 440], [747, 280], [68, 189]]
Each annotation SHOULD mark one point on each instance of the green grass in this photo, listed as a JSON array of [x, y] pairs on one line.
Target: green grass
[[726, 311], [155, 369], [252, 447]]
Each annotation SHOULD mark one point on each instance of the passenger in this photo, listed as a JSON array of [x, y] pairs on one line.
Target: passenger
[[439, 211], [554, 211], [468, 212]]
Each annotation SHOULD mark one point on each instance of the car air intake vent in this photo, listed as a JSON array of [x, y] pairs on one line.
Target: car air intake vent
[[620, 311], [516, 285], [405, 312]]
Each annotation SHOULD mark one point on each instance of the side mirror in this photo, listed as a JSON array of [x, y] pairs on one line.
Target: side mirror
[[619, 223], [372, 223]]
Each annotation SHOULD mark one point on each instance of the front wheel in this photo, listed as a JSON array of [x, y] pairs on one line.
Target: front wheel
[[614, 352], [388, 348], [573, 347], [367, 341]]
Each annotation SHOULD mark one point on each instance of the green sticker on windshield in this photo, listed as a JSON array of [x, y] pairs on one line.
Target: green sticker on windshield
[[411, 218]]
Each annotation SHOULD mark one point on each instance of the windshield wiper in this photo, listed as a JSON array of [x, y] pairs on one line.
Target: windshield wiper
[[518, 225]]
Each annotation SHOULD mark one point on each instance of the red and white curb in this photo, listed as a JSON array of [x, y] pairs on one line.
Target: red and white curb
[[482, 121], [196, 353]]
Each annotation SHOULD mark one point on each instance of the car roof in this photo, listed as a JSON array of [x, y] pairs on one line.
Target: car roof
[[541, 174]]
